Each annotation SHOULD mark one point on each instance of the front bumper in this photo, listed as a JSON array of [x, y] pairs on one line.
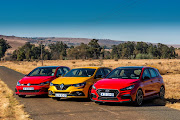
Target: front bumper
[[122, 96], [71, 92], [38, 90]]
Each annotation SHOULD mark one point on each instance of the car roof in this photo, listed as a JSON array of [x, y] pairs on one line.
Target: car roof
[[131, 67], [91, 67], [50, 66]]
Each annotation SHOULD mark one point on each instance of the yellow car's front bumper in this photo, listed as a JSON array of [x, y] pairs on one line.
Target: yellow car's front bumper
[[71, 92]]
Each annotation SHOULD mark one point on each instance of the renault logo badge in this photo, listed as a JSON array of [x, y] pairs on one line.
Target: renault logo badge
[[61, 86]]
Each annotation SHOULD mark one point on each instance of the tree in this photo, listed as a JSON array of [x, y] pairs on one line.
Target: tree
[[94, 49], [58, 50], [3, 47], [30, 52]]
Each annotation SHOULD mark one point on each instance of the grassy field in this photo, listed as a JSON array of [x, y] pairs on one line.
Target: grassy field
[[9, 106], [169, 69]]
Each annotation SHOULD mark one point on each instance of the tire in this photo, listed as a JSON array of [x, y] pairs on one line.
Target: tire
[[56, 98], [139, 98], [162, 92], [22, 96], [89, 93]]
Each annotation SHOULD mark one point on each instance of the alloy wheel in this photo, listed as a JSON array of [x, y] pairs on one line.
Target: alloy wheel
[[162, 92], [139, 97]]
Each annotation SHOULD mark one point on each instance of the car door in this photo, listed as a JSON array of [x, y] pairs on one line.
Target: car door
[[155, 80], [147, 82]]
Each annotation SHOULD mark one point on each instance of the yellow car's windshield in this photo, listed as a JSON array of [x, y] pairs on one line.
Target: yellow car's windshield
[[81, 72]]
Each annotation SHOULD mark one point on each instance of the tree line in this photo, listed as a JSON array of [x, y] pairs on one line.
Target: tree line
[[92, 50]]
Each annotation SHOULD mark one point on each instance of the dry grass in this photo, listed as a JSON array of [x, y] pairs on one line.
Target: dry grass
[[169, 68], [9, 106]]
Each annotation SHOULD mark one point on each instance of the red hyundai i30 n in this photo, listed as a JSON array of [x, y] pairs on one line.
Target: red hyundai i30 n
[[129, 84], [37, 81]]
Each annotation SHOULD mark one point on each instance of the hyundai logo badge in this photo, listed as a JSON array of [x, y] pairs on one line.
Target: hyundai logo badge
[[61, 86], [107, 90]]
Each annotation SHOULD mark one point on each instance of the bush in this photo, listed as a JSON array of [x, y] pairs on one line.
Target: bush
[[144, 56]]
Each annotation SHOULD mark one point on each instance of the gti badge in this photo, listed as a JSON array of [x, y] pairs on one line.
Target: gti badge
[[61, 86], [107, 90], [28, 84]]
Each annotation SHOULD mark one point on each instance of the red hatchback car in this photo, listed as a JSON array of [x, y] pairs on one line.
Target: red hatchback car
[[37, 81], [129, 84]]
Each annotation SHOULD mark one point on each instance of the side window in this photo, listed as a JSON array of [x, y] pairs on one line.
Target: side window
[[59, 72], [65, 70], [153, 73], [100, 73], [107, 71], [146, 73]]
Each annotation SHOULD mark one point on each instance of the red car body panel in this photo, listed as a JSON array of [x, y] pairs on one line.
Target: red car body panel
[[35, 83], [149, 87]]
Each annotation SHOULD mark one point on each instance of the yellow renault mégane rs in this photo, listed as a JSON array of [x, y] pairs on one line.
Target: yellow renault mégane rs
[[76, 83]]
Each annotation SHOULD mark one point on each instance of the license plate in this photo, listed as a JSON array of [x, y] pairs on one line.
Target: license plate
[[28, 88], [107, 94], [60, 95]]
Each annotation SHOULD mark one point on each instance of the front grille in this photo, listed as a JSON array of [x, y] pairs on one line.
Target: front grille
[[30, 85], [28, 91], [116, 92], [107, 98], [58, 86]]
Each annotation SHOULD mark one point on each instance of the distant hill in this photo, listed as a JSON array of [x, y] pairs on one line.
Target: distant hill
[[16, 42]]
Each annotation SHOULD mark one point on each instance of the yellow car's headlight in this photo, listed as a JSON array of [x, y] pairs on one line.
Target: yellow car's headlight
[[80, 84], [51, 84]]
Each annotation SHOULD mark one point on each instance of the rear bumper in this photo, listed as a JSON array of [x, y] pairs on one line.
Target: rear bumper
[[38, 90]]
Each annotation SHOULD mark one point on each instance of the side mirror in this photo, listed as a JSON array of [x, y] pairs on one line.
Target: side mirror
[[98, 76], [59, 75], [146, 78]]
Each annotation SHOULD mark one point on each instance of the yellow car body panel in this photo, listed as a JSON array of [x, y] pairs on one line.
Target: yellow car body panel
[[75, 80]]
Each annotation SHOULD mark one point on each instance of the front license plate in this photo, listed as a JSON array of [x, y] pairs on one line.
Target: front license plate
[[28, 88], [107, 94], [60, 95]]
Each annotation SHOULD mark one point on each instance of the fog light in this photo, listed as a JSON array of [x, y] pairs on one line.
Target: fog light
[[50, 92], [79, 93]]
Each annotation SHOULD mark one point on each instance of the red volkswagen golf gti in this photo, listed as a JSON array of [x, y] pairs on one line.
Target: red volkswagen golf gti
[[37, 81], [129, 84]]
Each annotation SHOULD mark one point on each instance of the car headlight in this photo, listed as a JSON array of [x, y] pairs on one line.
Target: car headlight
[[79, 84], [18, 84], [51, 84], [45, 83], [128, 88], [93, 87]]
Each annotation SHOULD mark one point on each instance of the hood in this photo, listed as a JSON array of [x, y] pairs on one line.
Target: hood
[[35, 80], [115, 83], [70, 80]]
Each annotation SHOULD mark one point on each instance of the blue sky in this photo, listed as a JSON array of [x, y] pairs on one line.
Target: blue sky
[[129, 20]]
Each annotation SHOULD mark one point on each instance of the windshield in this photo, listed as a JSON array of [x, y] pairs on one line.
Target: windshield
[[125, 73], [45, 71], [82, 72]]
